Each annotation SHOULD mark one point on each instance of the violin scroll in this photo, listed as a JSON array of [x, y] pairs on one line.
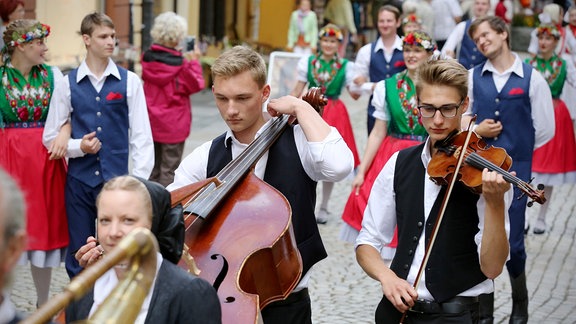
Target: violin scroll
[[316, 99]]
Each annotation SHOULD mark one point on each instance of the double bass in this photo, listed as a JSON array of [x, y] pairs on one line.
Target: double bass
[[238, 231]]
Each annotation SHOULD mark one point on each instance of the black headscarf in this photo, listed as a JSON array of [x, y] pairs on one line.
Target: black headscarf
[[167, 222]]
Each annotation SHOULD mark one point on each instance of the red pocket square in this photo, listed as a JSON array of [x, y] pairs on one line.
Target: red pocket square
[[399, 64], [516, 91], [114, 96]]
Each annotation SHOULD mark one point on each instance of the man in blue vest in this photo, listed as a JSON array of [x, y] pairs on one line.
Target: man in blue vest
[[304, 154], [468, 53], [379, 60], [107, 110], [471, 245], [515, 111]]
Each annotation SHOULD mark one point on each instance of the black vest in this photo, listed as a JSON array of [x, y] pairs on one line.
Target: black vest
[[454, 264], [284, 172]]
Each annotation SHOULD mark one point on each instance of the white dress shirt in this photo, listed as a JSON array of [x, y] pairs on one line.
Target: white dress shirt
[[380, 220], [362, 63], [141, 144], [540, 98], [444, 13]]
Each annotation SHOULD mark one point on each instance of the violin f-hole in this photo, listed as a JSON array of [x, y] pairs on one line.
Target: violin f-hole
[[223, 271]]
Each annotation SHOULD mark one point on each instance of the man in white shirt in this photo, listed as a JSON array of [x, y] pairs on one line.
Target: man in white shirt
[[514, 110], [472, 228], [303, 154], [447, 13], [107, 110]]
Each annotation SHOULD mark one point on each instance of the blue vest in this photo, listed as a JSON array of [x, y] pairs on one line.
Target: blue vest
[[106, 113], [380, 69], [284, 172], [469, 55], [513, 108]]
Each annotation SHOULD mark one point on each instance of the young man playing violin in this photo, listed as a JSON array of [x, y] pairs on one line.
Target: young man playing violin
[[471, 245], [305, 153], [515, 111]]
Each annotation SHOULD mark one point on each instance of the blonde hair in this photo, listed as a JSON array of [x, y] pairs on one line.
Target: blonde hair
[[129, 183], [237, 60], [169, 29], [442, 72]]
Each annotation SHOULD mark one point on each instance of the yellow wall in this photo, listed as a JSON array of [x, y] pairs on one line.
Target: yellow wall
[[65, 45], [274, 21]]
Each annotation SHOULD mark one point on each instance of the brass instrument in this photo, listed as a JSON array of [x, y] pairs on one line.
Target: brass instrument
[[124, 302]]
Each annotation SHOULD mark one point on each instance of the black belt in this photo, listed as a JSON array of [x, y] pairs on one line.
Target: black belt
[[454, 305]]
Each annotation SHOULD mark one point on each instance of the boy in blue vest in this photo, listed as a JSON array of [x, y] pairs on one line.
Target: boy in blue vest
[[379, 60], [515, 111], [107, 109], [304, 154], [468, 53], [471, 245]]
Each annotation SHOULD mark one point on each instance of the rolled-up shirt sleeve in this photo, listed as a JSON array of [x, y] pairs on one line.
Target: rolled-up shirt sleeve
[[328, 160]]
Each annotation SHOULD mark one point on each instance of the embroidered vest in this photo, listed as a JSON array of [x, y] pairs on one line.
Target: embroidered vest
[[106, 113]]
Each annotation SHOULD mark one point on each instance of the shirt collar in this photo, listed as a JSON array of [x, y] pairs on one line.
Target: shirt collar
[[425, 156], [83, 71], [515, 68], [380, 46], [230, 136]]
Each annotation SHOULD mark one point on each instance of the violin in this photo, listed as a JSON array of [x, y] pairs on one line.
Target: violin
[[477, 156]]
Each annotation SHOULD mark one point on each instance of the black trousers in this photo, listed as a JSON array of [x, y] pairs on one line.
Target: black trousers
[[295, 309], [458, 310]]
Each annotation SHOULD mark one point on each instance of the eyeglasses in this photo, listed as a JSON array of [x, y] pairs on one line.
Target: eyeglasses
[[447, 111]]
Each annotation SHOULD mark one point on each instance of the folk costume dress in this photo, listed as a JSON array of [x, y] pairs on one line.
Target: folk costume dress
[[555, 162], [404, 130], [331, 77], [23, 109]]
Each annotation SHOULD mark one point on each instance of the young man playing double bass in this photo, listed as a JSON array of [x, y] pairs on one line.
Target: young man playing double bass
[[471, 246], [304, 154]]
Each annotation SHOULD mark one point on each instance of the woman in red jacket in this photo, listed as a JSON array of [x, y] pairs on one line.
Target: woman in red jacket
[[170, 77]]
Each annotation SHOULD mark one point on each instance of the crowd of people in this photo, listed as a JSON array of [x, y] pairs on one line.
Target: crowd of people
[[104, 147]]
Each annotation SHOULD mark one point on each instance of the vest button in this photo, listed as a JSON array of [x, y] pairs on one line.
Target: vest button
[[99, 128], [387, 76], [406, 267], [97, 173], [420, 224], [387, 66], [410, 252], [97, 98], [497, 100], [415, 238], [98, 114], [473, 57]]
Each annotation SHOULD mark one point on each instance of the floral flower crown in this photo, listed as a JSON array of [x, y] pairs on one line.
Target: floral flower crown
[[419, 38], [38, 30], [411, 18], [331, 30], [550, 30]]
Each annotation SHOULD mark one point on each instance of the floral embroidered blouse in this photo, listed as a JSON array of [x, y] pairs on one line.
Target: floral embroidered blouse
[[24, 100]]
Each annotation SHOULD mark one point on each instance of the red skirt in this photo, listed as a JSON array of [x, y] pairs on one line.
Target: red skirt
[[336, 115], [356, 204], [42, 181], [559, 154]]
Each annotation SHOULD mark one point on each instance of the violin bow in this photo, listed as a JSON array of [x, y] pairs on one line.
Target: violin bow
[[438, 221]]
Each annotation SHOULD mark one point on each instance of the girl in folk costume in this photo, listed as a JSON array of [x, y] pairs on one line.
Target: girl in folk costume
[[331, 73], [397, 127], [555, 162], [27, 86]]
